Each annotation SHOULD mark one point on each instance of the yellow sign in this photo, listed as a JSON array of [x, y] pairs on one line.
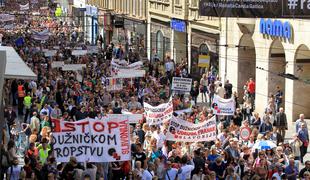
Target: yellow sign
[[204, 61]]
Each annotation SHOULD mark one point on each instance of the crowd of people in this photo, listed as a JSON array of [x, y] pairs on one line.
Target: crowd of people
[[57, 94]]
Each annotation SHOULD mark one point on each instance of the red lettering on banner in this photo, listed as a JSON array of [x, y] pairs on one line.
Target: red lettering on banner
[[207, 130], [56, 123], [101, 126], [124, 137], [68, 127], [83, 125], [185, 133], [112, 125]]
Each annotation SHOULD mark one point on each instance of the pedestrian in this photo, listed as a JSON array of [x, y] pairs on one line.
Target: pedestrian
[[304, 137], [281, 122]]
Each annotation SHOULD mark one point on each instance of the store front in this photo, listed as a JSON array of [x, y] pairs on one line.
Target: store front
[[160, 39], [91, 24], [203, 44]]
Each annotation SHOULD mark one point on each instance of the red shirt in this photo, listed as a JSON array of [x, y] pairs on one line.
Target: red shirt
[[251, 87]]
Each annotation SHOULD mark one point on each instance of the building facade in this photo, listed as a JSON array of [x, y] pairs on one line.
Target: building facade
[[176, 30], [267, 50]]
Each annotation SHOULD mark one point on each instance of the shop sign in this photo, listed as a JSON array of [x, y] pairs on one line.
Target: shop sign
[[276, 28], [91, 10], [178, 25]]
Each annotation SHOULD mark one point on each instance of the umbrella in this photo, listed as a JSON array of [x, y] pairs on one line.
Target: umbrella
[[265, 144]]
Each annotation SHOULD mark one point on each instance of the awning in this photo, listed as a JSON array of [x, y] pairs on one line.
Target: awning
[[16, 68]]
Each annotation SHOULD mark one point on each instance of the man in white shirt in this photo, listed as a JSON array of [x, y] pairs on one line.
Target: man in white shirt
[[160, 137], [220, 91], [148, 174], [186, 169], [34, 123], [171, 173]]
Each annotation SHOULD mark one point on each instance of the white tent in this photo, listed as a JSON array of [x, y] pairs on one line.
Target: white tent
[[16, 68]]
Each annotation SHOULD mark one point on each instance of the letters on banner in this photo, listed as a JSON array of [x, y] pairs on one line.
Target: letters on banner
[[222, 106], [181, 130], [181, 84], [58, 64], [73, 67], [158, 114], [104, 140]]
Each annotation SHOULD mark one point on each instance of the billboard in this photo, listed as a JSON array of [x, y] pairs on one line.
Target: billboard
[[255, 8]]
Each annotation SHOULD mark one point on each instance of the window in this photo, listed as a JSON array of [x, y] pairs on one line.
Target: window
[[160, 44], [177, 2], [194, 3]]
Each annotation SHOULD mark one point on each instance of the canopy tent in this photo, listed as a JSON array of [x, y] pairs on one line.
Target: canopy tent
[[16, 68]]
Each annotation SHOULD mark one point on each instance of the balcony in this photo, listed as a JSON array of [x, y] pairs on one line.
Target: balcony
[[160, 7]]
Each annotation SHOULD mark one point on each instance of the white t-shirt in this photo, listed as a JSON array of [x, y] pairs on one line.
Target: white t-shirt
[[186, 172], [220, 91], [172, 173], [160, 139], [147, 175]]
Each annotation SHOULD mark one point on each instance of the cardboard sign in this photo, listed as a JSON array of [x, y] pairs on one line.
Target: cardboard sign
[[180, 130], [181, 84], [222, 106], [158, 114], [104, 140]]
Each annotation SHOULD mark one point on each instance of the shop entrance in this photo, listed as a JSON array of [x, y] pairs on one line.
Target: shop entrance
[[301, 93], [246, 62], [277, 65]]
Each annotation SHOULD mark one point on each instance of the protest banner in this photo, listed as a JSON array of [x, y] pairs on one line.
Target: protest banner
[[188, 110], [127, 73], [158, 114], [222, 106], [113, 84], [133, 66], [41, 36], [73, 67], [132, 118], [49, 53], [90, 140], [58, 64], [92, 49], [181, 84], [24, 7], [6, 17], [181, 130], [79, 52]]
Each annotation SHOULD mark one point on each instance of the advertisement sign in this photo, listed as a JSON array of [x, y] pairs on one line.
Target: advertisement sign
[[114, 84], [276, 28], [222, 106], [158, 114], [204, 61], [255, 8], [181, 130], [90, 140], [178, 25], [181, 84]]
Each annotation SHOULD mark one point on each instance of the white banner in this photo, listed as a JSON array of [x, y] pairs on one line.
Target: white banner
[[132, 118], [49, 53], [181, 130], [113, 84], [92, 49], [126, 73], [158, 114], [136, 65], [58, 64], [181, 84], [222, 106], [24, 7], [188, 110], [6, 17], [104, 140], [79, 52], [73, 67]]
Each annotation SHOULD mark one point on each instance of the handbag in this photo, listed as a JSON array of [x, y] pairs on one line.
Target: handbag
[[306, 143]]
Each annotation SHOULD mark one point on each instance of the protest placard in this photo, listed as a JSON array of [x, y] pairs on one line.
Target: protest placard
[[181, 130], [49, 53], [113, 84], [127, 73], [79, 52], [73, 67], [90, 140], [181, 84], [92, 49], [58, 64], [158, 114], [222, 106]]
